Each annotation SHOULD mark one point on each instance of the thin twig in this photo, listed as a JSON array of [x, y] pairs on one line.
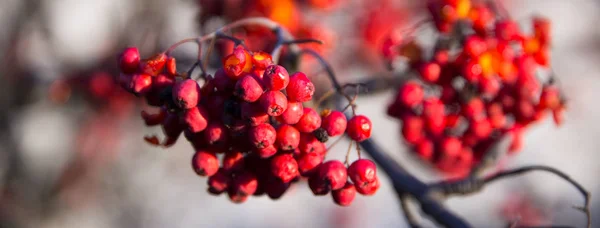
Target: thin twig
[[410, 217]]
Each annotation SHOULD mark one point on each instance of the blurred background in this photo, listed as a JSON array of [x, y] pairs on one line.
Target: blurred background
[[71, 147]]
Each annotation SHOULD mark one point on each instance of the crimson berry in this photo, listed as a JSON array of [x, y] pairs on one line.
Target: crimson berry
[[284, 167], [124, 81], [451, 146], [172, 125], [368, 188], [430, 72], [542, 30], [205, 163], [153, 65], [425, 149], [129, 60], [288, 137], [253, 114], [410, 94], [489, 86], [359, 128], [222, 82], [274, 103], [362, 170], [472, 71], [276, 77], [216, 134], [310, 144], [550, 98], [308, 163], [154, 119], [345, 195], [310, 121], [236, 63], [474, 46], [261, 60], [219, 182], [433, 107], [275, 188], [248, 88], [196, 119], [262, 135], [334, 122], [481, 128], [474, 109], [292, 114], [244, 185], [171, 66], [140, 84], [507, 30], [233, 161], [300, 88], [317, 185], [267, 151], [186, 93], [332, 174], [161, 82]]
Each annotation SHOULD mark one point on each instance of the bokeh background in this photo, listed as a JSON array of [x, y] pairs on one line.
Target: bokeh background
[[71, 147]]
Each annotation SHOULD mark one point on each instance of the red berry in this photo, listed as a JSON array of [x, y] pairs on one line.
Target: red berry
[[186, 93], [267, 151], [474, 109], [288, 137], [233, 161], [205, 163], [276, 77], [410, 94], [292, 114], [222, 82], [171, 66], [507, 30], [332, 174], [140, 84], [362, 170], [129, 60], [425, 149], [274, 103], [237, 63], [244, 185], [474, 46], [253, 114], [451, 146], [359, 128], [309, 121], [161, 82], [318, 185], [433, 107], [430, 72], [472, 71], [368, 188], [481, 128], [334, 123], [261, 59], [263, 135], [248, 88], [275, 188], [308, 163], [219, 182], [300, 88], [216, 134], [196, 119], [489, 86], [153, 65], [124, 81], [345, 195], [284, 167], [310, 144]]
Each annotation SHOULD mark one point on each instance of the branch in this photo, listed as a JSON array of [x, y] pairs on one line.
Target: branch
[[411, 219]]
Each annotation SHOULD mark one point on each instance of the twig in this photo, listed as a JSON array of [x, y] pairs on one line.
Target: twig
[[411, 218]]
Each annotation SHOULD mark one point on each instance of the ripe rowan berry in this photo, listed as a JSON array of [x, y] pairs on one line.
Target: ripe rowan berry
[[300, 88], [430, 72], [262, 135], [332, 174], [308, 163], [216, 134], [274, 103], [248, 88], [233, 161], [276, 77], [219, 182], [244, 185], [153, 65], [171, 66], [345, 195], [368, 188], [362, 170], [474, 46], [266, 152], [253, 114], [261, 60], [288, 137], [292, 114], [140, 84], [310, 121], [284, 167], [205, 163], [359, 128], [186, 94], [410, 94], [129, 60], [334, 122], [425, 149], [196, 119]]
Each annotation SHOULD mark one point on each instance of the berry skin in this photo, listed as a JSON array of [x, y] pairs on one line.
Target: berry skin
[[310, 144], [288, 137], [129, 60], [219, 182], [161, 82], [275, 188], [474, 46], [345, 195], [253, 114], [233, 161], [267, 151], [430, 72], [368, 188], [248, 88], [153, 65], [237, 63], [308, 163], [359, 128], [332, 174], [310, 121], [451, 147], [263, 135], [124, 81], [481, 128], [474, 109], [244, 185], [411, 94], [292, 114], [362, 170], [216, 134], [140, 84], [205, 163], [284, 167], [507, 30], [171, 66], [222, 82], [300, 88], [274, 103], [425, 149], [334, 123], [261, 60], [276, 77], [186, 94], [318, 185], [196, 119]]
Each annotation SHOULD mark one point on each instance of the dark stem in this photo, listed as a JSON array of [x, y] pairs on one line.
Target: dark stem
[[411, 218]]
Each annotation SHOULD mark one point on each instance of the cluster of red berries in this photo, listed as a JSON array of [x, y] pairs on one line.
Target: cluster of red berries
[[480, 83], [251, 114]]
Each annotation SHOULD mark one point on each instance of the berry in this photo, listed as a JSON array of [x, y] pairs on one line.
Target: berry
[[292, 114], [317, 185], [261, 60], [196, 119], [186, 94], [222, 82], [253, 114], [425, 149], [233, 162], [362, 170], [263, 135], [308, 163], [153, 65], [430, 72], [219, 182], [309, 121], [243, 186], [410, 94], [275, 188], [345, 195], [474, 46], [140, 84], [205, 163], [216, 134], [171, 66], [274, 103], [288, 137], [248, 88], [237, 63], [332, 174], [359, 128], [368, 188], [451, 146], [276, 77], [300, 88], [334, 122], [129, 60], [310, 144], [284, 167], [267, 151]]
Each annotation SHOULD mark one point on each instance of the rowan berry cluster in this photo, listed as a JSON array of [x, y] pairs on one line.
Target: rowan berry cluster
[[249, 127], [483, 80]]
